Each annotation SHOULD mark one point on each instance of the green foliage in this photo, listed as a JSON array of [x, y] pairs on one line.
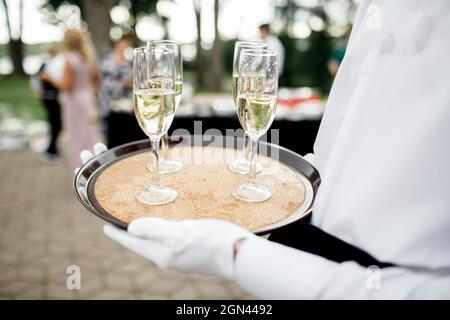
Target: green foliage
[[136, 6], [18, 99], [305, 60]]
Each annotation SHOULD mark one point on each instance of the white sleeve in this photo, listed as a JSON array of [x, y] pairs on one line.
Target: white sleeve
[[273, 271]]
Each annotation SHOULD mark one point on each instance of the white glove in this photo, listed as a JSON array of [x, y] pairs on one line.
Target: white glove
[[200, 246], [309, 157], [86, 155]]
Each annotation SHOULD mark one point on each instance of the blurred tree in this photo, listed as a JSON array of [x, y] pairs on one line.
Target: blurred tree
[[307, 58], [15, 39], [97, 16], [217, 54], [199, 68], [138, 6]]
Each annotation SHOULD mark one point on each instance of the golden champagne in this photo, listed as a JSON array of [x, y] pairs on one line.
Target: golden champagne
[[256, 112], [178, 92], [250, 83], [154, 110], [165, 83], [234, 83]]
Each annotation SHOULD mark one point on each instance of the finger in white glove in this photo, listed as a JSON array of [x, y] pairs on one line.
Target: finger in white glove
[[87, 155], [200, 246], [99, 148]]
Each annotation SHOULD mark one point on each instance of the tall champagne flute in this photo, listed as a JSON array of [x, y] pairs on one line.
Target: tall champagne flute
[[242, 164], [167, 165], [154, 107], [257, 102]]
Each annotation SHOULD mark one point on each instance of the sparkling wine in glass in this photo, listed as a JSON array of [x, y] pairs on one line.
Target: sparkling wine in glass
[[154, 107], [257, 87], [242, 164], [166, 164]]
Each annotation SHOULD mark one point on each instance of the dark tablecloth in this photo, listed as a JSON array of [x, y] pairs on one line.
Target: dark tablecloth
[[298, 136]]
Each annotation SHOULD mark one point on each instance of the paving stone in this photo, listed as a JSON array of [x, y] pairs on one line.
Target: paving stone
[[33, 294], [16, 288], [118, 281], [31, 274], [45, 231], [59, 291], [185, 292], [209, 290], [91, 285], [110, 295], [7, 274]]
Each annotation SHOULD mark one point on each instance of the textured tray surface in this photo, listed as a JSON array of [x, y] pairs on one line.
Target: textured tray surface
[[204, 189]]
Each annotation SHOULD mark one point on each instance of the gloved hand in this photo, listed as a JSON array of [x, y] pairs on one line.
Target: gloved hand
[[201, 246]]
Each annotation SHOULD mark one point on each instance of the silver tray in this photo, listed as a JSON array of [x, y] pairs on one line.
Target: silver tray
[[88, 173]]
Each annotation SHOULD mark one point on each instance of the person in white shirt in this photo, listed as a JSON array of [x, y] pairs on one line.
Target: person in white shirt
[[383, 154], [274, 44]]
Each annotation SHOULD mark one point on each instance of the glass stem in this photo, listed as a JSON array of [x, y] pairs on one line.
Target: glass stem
[[253, 155], [165, 147], [155, 175]]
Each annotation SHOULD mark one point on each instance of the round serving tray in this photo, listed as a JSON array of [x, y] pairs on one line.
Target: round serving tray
[[91, 170]]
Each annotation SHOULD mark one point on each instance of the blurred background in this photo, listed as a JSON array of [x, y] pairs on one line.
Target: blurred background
[[44, 229]]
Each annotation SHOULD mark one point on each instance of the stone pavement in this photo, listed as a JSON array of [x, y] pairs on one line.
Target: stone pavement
[[44, 230]]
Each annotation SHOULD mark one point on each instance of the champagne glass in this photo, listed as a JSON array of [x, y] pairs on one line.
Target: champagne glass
[[154, 79], [256, 102], [167, 165], [242, 164]]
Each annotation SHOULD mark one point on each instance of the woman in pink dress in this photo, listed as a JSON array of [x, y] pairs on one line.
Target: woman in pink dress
[[77, 94]]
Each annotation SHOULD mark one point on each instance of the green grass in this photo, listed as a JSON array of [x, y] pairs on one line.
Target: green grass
[[18, 99]]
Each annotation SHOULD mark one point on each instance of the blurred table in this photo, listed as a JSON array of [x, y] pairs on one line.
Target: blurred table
[[298, 136], [298, 116]]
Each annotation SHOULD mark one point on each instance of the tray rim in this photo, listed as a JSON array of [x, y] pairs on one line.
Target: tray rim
[[310, 186]]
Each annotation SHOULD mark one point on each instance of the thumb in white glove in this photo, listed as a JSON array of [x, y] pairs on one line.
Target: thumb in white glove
[[310, 158], [201, 246]]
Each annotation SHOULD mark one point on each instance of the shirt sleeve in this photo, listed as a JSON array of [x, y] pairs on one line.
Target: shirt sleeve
[[273, 271]]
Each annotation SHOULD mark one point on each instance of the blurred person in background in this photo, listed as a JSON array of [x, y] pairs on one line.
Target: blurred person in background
[[337, 55], [53, 65], [335, 59], [274, 44], [116, 89], [77, 93]]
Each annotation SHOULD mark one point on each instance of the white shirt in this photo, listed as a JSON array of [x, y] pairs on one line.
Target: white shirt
[[383, 152], [274, 44], [55, 67]]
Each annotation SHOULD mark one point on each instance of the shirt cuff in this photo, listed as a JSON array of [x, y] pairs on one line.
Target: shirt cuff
[[273, 271]]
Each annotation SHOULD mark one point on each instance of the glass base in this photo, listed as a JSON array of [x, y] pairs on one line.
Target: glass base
[[157, 195], [167, 166], [251, 192], [242, 166]]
